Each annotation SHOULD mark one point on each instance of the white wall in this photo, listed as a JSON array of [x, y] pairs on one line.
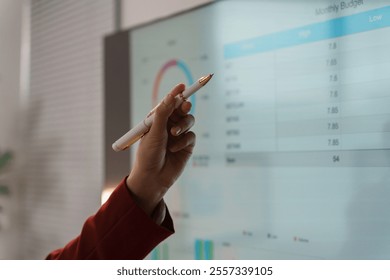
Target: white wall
[[51, 118], [10, 38], [135, 12], [63, 157], [10, 51]]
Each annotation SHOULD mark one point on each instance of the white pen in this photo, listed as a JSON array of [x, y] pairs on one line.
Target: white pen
[[143, 127]]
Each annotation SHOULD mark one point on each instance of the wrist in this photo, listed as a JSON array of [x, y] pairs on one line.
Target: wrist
[[145, 194], [159, 212]]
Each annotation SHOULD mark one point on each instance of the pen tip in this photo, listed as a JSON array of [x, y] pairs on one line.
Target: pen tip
[[205, 79]]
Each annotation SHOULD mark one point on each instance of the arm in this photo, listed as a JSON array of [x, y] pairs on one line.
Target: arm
[[126, 226], [119, 230]]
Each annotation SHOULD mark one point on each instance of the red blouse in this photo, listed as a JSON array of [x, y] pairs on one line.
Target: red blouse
[[119, 230]]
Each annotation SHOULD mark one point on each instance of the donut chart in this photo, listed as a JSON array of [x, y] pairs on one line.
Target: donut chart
[[182, 66]]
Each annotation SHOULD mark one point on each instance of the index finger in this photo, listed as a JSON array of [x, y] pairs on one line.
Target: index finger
[[164, 110]]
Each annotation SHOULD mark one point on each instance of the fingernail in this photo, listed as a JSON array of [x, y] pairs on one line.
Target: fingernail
[[178, 130]]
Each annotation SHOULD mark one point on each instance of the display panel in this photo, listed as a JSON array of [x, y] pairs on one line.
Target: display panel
[[293, 132]]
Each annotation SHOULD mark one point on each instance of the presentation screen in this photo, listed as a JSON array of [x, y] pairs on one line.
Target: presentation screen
[[292, 157]]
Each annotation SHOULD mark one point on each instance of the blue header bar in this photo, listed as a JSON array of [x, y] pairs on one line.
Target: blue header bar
[[343, 26]]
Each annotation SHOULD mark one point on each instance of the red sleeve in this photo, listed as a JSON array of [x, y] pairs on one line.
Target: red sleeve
[[119, 230]]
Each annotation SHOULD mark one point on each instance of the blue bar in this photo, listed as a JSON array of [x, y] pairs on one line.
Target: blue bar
[[160, 253], [199, 250], [338, 27], [208, 250], [155, 255]]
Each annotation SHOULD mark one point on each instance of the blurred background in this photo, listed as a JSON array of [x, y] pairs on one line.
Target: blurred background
[[294, 164], [52, 114]]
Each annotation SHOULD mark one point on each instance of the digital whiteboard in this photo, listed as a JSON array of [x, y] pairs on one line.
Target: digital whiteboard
[[292, 159]]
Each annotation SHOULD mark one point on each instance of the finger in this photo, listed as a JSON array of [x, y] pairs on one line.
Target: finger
[[183, 110], [164, 110], [184, 143], [183, 125]]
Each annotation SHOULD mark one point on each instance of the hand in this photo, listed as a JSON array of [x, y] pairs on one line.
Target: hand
[[163, 152]]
